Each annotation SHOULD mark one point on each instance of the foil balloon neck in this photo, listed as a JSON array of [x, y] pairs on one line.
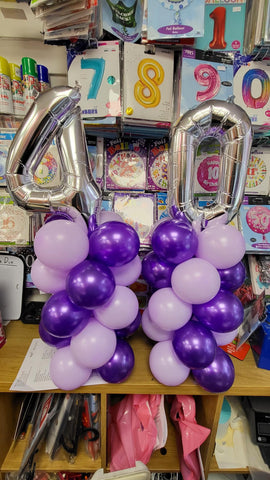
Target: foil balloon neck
[[231, 126], [53, 115]]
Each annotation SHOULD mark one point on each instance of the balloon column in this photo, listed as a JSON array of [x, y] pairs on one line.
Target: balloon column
[[91, 310], [195, 270]]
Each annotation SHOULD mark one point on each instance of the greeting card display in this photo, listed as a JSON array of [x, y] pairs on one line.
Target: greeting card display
[[258, 174], [175, 19], [148, 85], [224, 26], [205, 76], [157, 167], [251, 89], [97, 72]]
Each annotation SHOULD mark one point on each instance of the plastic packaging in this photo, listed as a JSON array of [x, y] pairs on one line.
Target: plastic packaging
[[6, 105]]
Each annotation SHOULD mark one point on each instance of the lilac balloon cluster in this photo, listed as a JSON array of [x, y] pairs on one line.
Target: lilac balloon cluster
[[193, 310], [91, 310]]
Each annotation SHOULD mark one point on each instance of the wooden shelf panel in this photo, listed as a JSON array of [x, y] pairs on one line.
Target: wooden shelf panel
[[249, 380]]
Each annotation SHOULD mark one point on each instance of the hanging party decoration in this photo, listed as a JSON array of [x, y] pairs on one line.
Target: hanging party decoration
[[196, 256]]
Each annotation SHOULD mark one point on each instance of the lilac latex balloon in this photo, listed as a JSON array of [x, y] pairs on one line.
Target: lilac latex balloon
[[168, 311], [194, 345], [120, 366], [195, 281], [114, 243], [218, 376], [65, 372], [90, 284], [225, 337], [52, 340], [152, 331], [61, 244], [174, 241], [221, 245], [232, 278], [108, 216], [128, 273], [166, 366], [94, 345], [46, 279], [130, 329], [61, 317], [120, 311], [223, 313], [156, 271]]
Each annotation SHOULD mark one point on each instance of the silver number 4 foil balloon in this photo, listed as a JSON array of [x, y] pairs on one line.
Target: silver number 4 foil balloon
[[53, 115], [231, 126]]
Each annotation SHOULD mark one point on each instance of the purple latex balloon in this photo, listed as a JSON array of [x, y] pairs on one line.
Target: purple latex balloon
[[174, 241], [223, 313], [166, 366], [194, 345], [120, 311], [221, 245], [61, 317], [195, 281], [218, 376], [114, 243], [109, 216], [156, 271], [46, 279], [120, 366], [130, 329], [52, 340], [152, 330], [128, 273], [168, 311], [61, 244], [90, 284], [94, 345], [65, 372], [225, 338], [233, 277]]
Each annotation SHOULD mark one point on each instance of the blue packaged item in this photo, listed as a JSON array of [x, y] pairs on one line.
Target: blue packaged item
[[170, 19], [260, 344], [205, 76], [224, 26]]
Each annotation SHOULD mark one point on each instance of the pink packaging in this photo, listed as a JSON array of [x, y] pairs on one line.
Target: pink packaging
[[2, 333]]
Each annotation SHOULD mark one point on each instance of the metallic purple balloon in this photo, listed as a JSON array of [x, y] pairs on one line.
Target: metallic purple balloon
[[156, 271], [130, 329], [114, 243], [195, 345], [52, 340], [90, 284], [63, 318], [120, 366], [174, 241], [218, 376], [223, 313], [233, 277]]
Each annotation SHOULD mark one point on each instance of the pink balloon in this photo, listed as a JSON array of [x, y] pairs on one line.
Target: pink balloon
[[166, 366], [258, 219], [127, 274], [108, 216], [46, 279], [65, 372], [152, 331], [120, 310], [168, 311], [225, 338], [195, 281], [221, 245], [61, 244], [94, 345]]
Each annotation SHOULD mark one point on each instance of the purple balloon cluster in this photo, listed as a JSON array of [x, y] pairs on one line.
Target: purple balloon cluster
[[193, 310], [91, 310]]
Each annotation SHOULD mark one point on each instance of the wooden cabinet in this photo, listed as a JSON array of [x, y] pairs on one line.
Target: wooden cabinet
[[249, 380]]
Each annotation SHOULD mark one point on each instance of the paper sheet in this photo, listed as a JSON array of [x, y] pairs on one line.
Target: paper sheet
[[34, 373]]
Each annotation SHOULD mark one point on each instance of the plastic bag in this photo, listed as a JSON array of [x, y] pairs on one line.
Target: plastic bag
[[132, 431], [190, 435]]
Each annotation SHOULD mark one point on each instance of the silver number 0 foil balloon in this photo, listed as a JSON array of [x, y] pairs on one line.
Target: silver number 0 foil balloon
[[231, 126], [54, 114]]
